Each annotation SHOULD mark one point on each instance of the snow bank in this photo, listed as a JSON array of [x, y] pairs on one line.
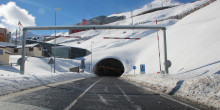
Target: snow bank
[[192, 44], [198, 87], [38, 73], [192, 48]]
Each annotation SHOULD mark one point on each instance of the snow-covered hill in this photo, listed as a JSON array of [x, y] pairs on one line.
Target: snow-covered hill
[[192, 44], [145, 51]]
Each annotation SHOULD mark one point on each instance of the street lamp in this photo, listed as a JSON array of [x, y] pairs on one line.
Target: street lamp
[[91, 56], [55, 41]]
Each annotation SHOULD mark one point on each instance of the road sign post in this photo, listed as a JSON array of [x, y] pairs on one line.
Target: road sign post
[[142, 68], [51, 61], [134, 67]]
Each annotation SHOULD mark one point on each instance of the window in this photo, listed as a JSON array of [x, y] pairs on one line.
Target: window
[[31, 49], [15, 50]]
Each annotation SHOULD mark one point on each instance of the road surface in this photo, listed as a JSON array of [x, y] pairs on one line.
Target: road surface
[[98, 93]]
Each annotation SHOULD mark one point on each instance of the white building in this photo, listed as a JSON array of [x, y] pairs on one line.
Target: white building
[[4, 56]]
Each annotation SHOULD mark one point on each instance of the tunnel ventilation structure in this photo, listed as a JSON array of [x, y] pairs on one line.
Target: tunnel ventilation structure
[[109, 67]]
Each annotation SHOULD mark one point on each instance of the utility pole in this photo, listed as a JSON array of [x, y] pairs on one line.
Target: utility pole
[[55, 42], [19, 32], [91, 56], [165, 51], [132, 22]]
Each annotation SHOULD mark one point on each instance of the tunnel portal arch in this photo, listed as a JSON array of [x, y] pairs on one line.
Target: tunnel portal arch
[[109, 67]]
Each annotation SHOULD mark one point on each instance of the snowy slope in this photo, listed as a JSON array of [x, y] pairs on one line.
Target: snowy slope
[[150, 6], [196, 39], [192, 44], [37, 73], [136, 52]]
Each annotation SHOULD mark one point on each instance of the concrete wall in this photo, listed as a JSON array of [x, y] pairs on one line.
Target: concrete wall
[[37, 52], [4, 59], [10, 50]]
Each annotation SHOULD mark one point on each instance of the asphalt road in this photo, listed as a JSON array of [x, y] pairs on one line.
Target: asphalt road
[[98, 93]]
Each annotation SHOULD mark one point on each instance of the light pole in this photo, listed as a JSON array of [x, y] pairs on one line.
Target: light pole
[[55, 41], [132, 22], [91, 57]]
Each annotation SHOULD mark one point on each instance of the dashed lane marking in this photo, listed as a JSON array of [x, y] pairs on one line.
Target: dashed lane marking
[[80, 96]]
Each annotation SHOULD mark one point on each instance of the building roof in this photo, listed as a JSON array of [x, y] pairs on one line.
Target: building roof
[[2, 46], [6, 44], [30, 45]]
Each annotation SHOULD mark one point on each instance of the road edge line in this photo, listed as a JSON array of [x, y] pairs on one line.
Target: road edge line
[[14, 94], [161, 94], [170, 98]]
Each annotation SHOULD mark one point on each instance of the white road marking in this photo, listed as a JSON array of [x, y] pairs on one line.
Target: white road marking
[[36, 89], [128, 98], [106, 89], [163, 95], [80, 96], [170, 98], [103, 100]]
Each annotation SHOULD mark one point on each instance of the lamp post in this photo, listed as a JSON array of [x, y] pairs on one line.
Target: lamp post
[[132, 21], [55, 41], [91, 56]]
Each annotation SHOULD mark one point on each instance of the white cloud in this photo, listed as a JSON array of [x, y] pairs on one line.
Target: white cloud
[[10, 14]]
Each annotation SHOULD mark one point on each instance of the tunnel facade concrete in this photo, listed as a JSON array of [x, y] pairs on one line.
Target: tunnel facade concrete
[[109, 67]]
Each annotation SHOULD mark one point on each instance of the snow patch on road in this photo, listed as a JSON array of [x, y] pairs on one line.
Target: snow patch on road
[[103, 100]]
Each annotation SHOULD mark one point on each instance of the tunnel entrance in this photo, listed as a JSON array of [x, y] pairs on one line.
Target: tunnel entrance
[[109, 67]]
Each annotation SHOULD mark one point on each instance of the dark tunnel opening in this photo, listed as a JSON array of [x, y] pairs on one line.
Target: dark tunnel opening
[[109, 67]]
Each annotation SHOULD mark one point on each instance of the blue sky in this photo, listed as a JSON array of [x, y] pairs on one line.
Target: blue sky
[[73, 11]]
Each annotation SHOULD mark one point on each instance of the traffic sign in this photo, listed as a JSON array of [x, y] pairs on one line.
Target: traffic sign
[[168, 63], [134, 67], [51, 61], [142, 67], [19, 60]]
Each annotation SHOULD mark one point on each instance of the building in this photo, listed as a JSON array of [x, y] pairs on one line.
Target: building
[[69, 52], [3, 34], [33, 50], [4, 56], [61, 51], [100, 20]]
